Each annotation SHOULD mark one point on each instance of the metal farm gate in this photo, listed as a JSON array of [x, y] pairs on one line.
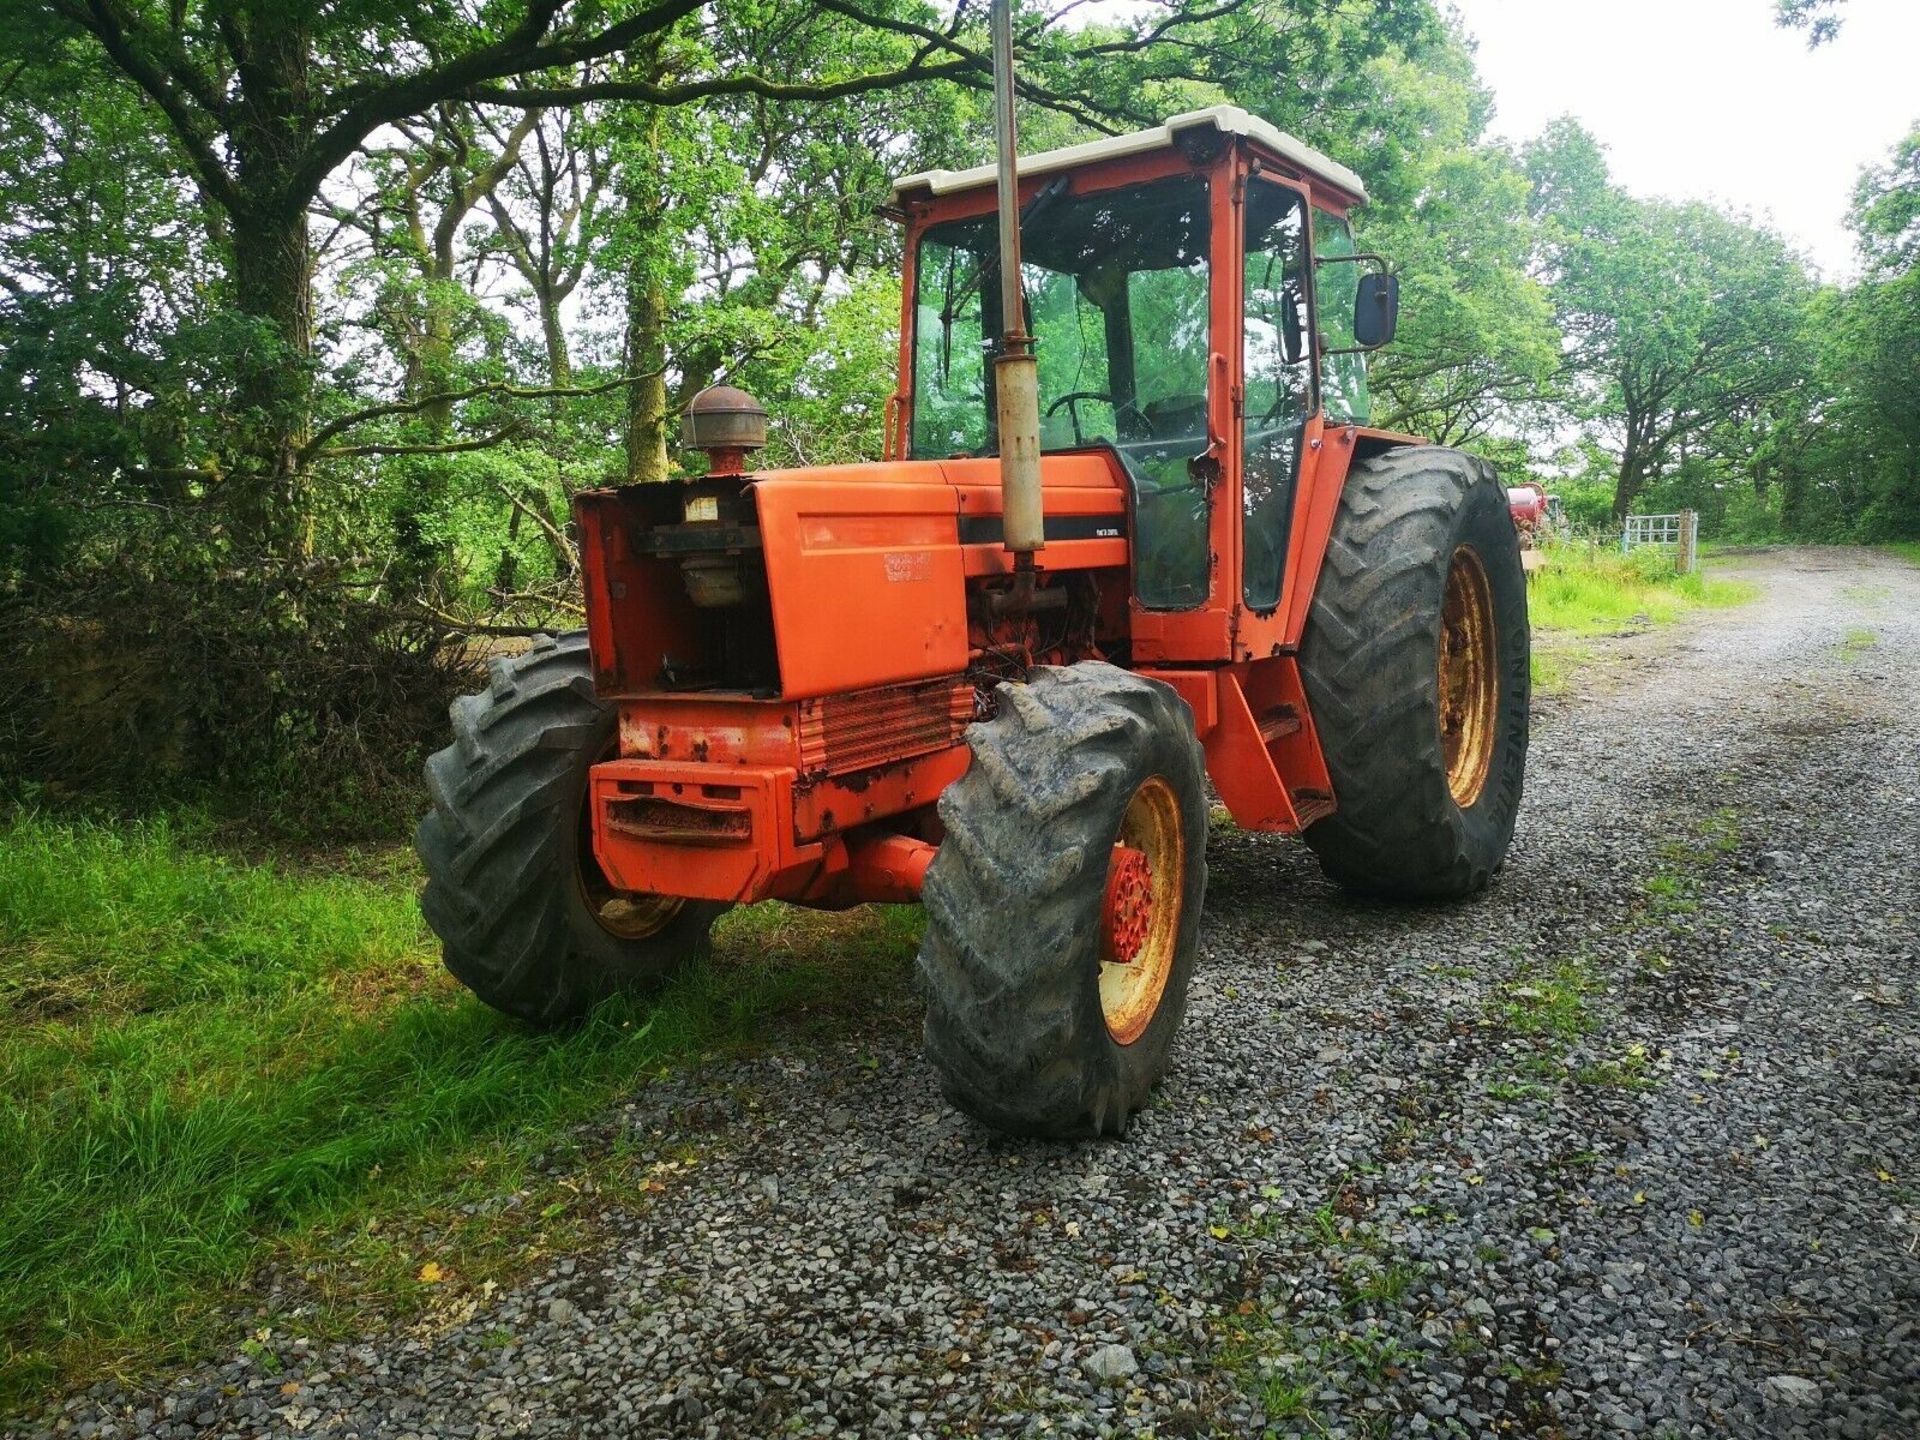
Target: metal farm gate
[[1679, 534]]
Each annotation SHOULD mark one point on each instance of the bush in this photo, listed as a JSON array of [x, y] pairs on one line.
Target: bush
[[278, 696]]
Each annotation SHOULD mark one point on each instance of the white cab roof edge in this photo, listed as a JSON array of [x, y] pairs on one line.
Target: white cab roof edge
[[1227, 119]]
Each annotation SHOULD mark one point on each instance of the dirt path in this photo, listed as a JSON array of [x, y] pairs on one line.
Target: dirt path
[[1631, 1145]]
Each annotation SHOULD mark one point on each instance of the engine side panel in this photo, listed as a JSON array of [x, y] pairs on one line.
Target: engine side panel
[[867, 579]]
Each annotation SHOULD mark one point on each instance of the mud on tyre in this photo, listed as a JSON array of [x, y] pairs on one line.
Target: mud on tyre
[[526, 919], [1089, 779]]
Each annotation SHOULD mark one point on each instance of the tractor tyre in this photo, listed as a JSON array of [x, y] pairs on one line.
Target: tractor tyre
[[1415, 660], [525, 917], [1063, 907]]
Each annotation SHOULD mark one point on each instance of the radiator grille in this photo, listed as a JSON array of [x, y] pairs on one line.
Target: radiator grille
[[841, 733]]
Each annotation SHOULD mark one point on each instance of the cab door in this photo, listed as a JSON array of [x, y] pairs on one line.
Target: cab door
[[1276, 394]]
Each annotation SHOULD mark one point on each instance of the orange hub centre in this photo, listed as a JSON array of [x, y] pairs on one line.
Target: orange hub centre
[[1129, 909], [1140, 921]]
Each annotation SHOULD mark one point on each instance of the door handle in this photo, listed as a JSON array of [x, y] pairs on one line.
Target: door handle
[[1218, 399]]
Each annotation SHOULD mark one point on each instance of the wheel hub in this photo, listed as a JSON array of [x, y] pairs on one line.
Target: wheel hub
[[1140, 918], [1129, 908]]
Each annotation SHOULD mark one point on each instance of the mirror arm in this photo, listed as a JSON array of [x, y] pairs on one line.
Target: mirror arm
[[1376, 258]]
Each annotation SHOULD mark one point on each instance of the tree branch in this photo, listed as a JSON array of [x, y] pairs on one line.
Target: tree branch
[[688, 92], [451, 447], [556, 539], [519, 52], [106, 23], [453, 397]]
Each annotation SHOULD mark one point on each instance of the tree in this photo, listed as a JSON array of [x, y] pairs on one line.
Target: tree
[[1872, 354], [263, 101], [1477, 349], [1684, 325], [1885, 216], [1819, 18]]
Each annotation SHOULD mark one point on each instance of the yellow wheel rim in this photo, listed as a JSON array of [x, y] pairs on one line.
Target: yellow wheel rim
[[1469, 681], [635, 917], [1140, 919]]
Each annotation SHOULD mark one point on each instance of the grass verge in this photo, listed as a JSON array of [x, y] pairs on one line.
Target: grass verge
[[212, 1066], [1907, 550], [1585, 590]]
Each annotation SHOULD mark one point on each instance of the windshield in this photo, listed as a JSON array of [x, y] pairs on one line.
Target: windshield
[[1117, 290]]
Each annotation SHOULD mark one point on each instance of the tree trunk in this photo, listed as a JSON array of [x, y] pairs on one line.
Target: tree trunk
[[559, 362], [646, 356], [436, 352], [1634, 464], [272, 269], [1626, 486], [646, 348]]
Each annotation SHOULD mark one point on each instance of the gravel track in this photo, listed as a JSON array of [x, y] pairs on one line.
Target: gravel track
[[1629, 1146]]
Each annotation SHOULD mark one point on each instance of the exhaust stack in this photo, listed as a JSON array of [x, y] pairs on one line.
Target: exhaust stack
[[1016, 371]]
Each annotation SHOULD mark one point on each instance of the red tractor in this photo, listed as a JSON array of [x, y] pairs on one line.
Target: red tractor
[[1133, 533]]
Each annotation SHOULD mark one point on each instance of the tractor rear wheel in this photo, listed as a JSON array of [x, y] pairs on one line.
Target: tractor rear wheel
[[525, 917], [1415, 661], [1063, 908]]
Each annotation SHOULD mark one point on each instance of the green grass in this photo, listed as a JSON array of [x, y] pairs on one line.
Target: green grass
[[1630, 1070], [210, 1066], [1908, 550], [1590, 590], [1550, 1002], [1258, 1350], [1384, 1285], [1857, 640], [1585, 590]]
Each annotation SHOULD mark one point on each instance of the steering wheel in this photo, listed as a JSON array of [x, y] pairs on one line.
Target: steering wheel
[[1072, 401]]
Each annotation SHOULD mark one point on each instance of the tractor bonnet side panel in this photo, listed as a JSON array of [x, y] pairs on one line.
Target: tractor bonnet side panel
[[867, 581]]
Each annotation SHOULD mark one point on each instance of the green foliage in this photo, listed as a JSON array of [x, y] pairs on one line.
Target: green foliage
[[1478, 348], [1819, 18], [1687, 329]]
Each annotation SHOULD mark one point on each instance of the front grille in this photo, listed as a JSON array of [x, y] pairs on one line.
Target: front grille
[[842, 733]]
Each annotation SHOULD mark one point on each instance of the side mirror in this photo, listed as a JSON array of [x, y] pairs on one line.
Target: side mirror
[[1376, 310]]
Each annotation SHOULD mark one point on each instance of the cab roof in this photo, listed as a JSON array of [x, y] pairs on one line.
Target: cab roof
[[1227, 119]]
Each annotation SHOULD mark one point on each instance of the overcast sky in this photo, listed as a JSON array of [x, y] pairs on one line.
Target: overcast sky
[[1709, 99]]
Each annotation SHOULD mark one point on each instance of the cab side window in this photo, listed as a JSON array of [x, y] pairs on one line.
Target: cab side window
[[1277, 382], [1343, 378]]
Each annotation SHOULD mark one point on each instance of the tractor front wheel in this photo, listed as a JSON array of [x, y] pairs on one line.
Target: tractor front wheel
[[1063, 908], [525, 917], [1415, 661]]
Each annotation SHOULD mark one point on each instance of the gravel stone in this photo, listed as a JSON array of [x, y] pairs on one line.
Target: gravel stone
[[1792, 1390], [1111, 1362]]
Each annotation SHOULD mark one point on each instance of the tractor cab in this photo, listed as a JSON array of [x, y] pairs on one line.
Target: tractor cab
[[1199, 311]]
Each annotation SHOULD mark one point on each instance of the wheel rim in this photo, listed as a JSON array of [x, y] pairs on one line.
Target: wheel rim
[[1468, 679], [622, 915], [1140, 919]]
